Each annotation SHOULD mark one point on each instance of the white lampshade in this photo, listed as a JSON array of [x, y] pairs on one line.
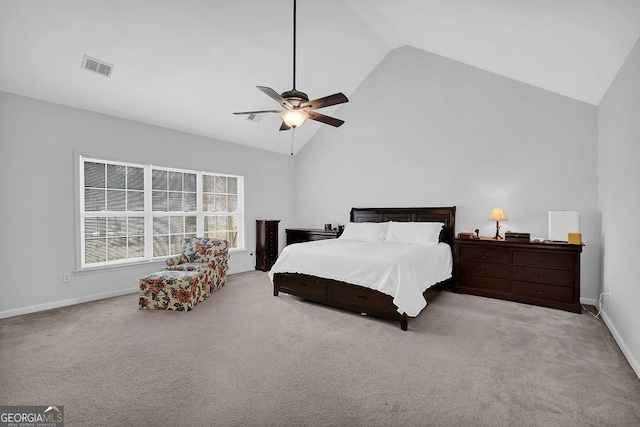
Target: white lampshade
[[294, 118], [497, 214]]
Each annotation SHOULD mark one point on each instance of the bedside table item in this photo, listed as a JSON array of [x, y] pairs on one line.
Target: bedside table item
[[575, 238], [464, 235], [300, 235], [266, 243], [517, 236], [497, 215], [545, 274]]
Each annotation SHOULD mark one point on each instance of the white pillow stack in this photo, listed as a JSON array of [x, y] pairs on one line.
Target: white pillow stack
[[412, 233], [365, 231]]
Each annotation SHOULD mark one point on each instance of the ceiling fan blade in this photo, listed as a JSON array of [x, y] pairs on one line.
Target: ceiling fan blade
[[258, 112], [325, 119], [275, 95], [327, 101], [284, 126]]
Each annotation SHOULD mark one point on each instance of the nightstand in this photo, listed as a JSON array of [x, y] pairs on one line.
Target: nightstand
[[299, 235], [545, 274]]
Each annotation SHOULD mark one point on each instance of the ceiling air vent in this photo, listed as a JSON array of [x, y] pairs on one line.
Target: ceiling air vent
[[254, 117], [97, 66]]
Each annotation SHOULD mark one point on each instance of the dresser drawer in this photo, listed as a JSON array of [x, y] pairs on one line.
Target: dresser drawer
[[361, 297], [488, 283], [542, 275], [302, 286], [484, 254], [485, 268], [542, 291], [544, 259]]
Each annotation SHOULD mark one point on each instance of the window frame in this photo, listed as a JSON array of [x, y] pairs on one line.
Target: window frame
[[148, 213]]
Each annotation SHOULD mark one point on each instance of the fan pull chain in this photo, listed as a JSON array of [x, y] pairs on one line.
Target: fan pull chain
[[293, 138]]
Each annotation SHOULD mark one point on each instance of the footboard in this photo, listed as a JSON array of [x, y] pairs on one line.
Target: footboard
[[340, 295]]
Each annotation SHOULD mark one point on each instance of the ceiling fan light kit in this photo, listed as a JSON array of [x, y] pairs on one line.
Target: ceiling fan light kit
[[296, 104], [294, 118]]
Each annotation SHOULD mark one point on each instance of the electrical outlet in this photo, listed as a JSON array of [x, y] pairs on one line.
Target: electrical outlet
[[66, 278]]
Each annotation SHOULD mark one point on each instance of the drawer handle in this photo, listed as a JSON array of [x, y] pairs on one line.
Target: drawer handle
[[361, 296], [542, 260], [482, 269], [484, 255], [537, 291], [541, 276], [482, 284]]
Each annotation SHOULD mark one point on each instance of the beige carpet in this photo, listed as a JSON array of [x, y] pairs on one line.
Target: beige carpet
[[247, 358]]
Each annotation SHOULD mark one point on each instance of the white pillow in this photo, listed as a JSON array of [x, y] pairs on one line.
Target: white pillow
[[414, 233], [365, 231]]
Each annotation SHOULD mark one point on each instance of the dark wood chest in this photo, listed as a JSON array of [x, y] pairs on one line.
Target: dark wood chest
[[545, 274], [266, 243]]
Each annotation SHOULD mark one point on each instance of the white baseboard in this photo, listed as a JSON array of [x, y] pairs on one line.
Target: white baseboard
[[65, 302], [72, 301], [625, 350]]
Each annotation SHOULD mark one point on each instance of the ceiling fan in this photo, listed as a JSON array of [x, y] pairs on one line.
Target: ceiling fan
[[296, 104]]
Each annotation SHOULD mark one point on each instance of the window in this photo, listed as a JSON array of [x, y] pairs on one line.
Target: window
[[173, 202], [113, 212], [132, 212], [220, 200]]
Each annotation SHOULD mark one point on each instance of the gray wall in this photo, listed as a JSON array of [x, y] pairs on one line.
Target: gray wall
[[39, 143], [423, 130], [619, 204]]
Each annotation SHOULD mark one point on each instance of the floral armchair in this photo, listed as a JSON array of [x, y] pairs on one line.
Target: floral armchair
[[203, 253]]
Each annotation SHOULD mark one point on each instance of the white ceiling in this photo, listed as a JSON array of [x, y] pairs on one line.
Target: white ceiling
[[188, 64]]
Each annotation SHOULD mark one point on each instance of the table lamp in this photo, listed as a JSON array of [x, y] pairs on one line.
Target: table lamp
[[497, 215]]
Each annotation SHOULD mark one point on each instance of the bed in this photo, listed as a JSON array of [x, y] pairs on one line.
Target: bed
[[378, 299]]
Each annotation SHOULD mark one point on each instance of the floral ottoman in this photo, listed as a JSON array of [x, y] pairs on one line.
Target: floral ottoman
[[173, 290]]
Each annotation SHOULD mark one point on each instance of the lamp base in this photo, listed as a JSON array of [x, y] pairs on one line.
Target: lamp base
[[498, 237]]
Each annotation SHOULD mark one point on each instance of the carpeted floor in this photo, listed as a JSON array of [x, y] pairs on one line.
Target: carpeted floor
[[247, 358]]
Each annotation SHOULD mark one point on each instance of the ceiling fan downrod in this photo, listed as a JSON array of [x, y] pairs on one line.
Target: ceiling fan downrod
[[294, 45], [295, 94]]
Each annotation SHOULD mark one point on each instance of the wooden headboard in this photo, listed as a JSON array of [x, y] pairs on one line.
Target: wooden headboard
[[447, 215]]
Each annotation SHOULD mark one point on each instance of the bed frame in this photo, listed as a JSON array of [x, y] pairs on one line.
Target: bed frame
[[357, 298]]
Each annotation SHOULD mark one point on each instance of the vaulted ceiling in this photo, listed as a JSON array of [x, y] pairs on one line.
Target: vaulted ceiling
[[189, 64]]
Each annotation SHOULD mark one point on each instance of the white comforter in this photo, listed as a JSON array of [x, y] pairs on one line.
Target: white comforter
[[397, 269]]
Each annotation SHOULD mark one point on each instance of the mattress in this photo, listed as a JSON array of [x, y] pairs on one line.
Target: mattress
[[400, 270]]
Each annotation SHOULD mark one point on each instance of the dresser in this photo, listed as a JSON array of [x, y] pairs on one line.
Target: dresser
[[266, 243], [299, 235], [545, 274]]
